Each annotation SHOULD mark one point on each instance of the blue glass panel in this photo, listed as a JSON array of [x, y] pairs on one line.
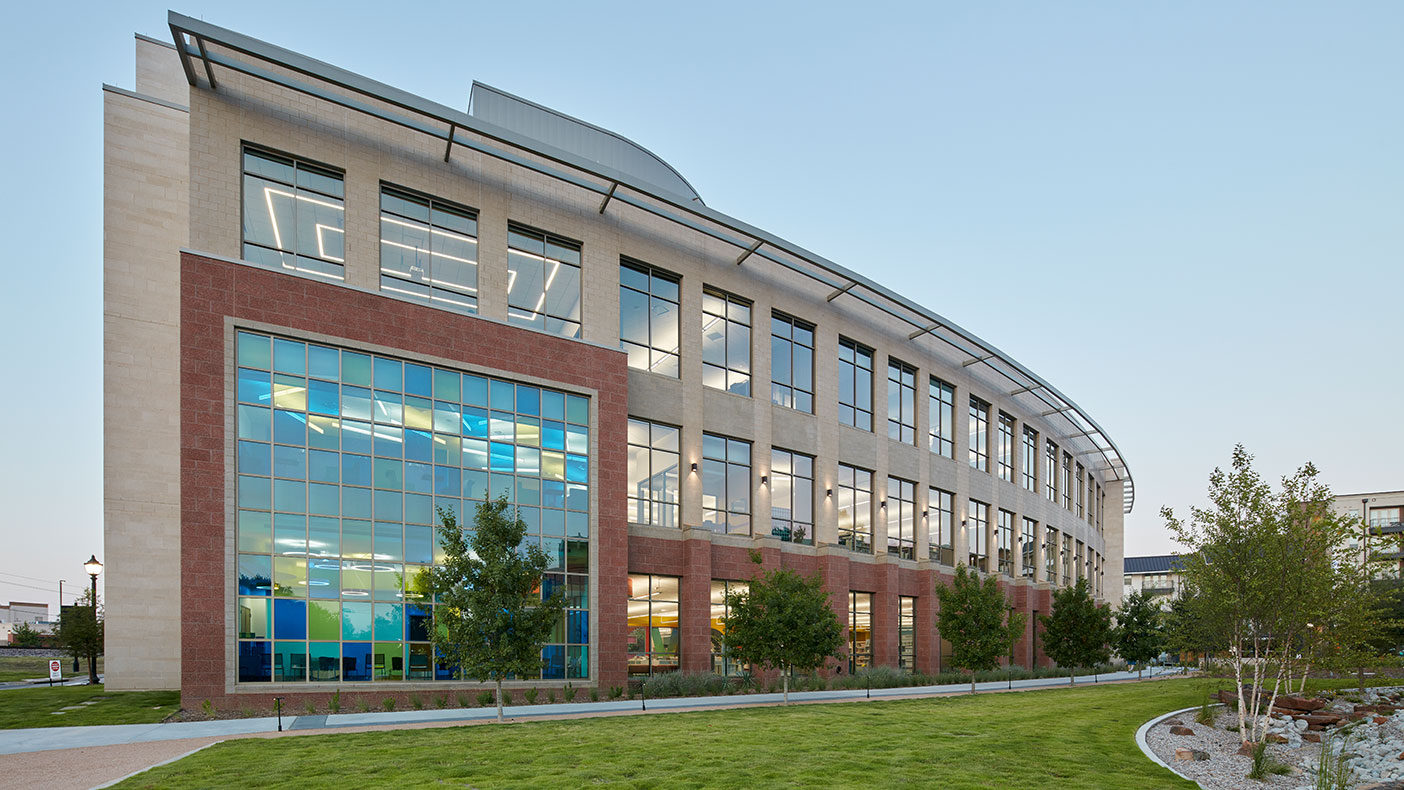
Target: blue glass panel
[[255, 386], [553, 658], [443, 671], [446, 385], [528, 461], [389, 474], [448, 450], [289, 356], [531, 516], [323, 397], [388, 407], [323, 362], [255, 662], [255, 574], [355, 620], [552, 405], [475, 422], [578, 627], [419, 478], [355, 437], [419, 544], [253, 351], [355, 403], [528, 490], [290, 462], [255, 492], [389, 441], [577, 409], [323, 499], [289, 534], [417, 623], [356, 470], [323, 537], [577, 525], [451, 505], [255, 458], [553, 523], [355, 661], [448, 417], [255, 531], [474, 485], [475, 390], [389, 542], [419, 446], [577, 469], [502, 425], [502, 395], [355, 368], [419, 509], [255, 423], [323, 466], [418, 380], [446, 481], [387, 374], [502, 457], [324, 433], [577, 497], [289, 619], [355, 502], [577, 439], [577, 661], [289, 427], [389, 623], [324, 661], [528, 400], [389, 506], [290, 496], [355, 539], [475, 454], [552, 435], [553, 493], [500, 486]]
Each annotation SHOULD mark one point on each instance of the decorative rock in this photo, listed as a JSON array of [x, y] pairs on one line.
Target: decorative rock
[[1172, 722], [1245, 749], [1275, 738], [1311, 737], [1181, 730], [1300, 703], [1182, 754], [1380, 720], [1200, 756]]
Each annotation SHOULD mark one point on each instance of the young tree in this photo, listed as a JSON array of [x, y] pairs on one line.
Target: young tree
[[78, 632], [783, 621], [1186, 629], [1139, 634], [26, 635], [976, 619], [1078, 632], [491, 620]]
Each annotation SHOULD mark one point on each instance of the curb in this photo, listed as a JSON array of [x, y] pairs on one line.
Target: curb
[[1148, 752]]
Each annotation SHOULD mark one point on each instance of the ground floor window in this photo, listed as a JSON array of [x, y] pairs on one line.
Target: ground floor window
[[860, 631], [906, 634], [722, 662], [653, 624]]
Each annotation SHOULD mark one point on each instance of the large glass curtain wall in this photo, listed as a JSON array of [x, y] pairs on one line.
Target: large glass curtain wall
[[343, 458]]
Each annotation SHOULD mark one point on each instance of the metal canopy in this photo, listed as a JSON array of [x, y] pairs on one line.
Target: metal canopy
[[192, 36]]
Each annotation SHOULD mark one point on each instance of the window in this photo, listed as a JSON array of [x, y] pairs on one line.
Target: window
[[906, 634], [653, 624], [726, 342], [1004, 534], [1081, 505], [978, 538], [901, 518], [1097, 574], [649, 317], [860, 631], [855, 508], [792, 363], [1101, 502], [941, 402], [653, 473], [543, 281], [855, 385], [1067, 481], [1051, 542], [342, 459], [722, 662], [1079, 561], [791, 496], [1005, 455], [428, 249], [1029, 460], [726, 484], [1050, 471], [979, 434], [940, 514], [1067, 560], [294, 217], [901, 401], [1091, 497], [1028, 543]]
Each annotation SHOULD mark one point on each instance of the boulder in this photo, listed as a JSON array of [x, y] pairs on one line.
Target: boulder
[[1302, 704], [1200, 756], [1275, 738], [1311, 737], [1245, 749], [1180, 729], [1171, 722], [1184, 755], [1379, 720]]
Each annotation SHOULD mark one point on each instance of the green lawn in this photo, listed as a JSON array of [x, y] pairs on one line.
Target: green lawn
[[37, 707], [1059, 738], [14, 668]]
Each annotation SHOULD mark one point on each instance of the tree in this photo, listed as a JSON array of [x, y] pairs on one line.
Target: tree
[[80, 634], [1359, 621], [1139, 634], [783, 621], [26, 635], [1078, 632], [1186, 629], [976, 619], [491, 621]]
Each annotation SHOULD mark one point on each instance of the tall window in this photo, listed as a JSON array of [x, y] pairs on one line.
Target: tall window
[[979, 434], [901, 518], [294, 217], [860, 631], [1004, 534], [1091, 498], [1050, 471], [1100, 502], [1067, 560], [1067, 481], [901, 401], [791, 496], [1051, 544], [941, 403], [543, 281], [722, 662], [653, 624], [1098, 575], [649, 317], [1027, 545], [1029, 460], [1079, 561], [792, 363], [653, 473], [855, 508], [428, 249], [1081, 506], [1005, 455], [726, 484], [855, 384], [978, 537], [906, 634], [726, 342], [940, 525]]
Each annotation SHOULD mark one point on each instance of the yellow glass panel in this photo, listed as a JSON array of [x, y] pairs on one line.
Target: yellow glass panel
[[290, 392], [290, 577]]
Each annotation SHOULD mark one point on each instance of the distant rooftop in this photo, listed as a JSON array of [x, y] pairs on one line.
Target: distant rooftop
[[1158, 563]]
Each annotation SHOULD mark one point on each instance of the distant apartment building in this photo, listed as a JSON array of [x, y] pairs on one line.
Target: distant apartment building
[[1383, 515], [1157, 576]]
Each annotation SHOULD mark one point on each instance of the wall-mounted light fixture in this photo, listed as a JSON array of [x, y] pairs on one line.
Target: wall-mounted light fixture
[[828, 493], [694, 468], [884, 504], [764, 479], [923, 514]]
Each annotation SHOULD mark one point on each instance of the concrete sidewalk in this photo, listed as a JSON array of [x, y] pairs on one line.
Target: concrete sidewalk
[[55, 738]]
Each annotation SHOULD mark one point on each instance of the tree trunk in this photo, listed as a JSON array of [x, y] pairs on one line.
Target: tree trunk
[[499, 699], [785, 684], [1138, 671], [972, 682], [1072, 676], [1360, 673]]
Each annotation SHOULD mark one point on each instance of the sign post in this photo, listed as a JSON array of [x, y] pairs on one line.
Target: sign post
[[55, 671]]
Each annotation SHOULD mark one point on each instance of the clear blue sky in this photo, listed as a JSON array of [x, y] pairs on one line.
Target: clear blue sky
[[1187, 216]]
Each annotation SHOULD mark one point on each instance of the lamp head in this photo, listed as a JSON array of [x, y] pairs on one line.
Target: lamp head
[[92, 566]]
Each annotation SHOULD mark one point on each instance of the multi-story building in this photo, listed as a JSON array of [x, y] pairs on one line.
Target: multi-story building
[[333, 307], [1157, 576], [1382, 516]]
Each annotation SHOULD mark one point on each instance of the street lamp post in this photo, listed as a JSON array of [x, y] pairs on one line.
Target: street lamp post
[[93, 567]]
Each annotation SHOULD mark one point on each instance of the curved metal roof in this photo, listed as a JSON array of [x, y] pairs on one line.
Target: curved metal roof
[[1083, 435]]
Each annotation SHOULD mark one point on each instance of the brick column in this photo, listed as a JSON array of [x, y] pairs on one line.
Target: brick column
[[695, 606], [927, 645], [835, 571], [885, 620]]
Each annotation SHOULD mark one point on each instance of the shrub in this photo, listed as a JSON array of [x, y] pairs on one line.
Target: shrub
[[246, 712], [417, 702], [1333, 765], [486, 697], [685, 684], [1265, 764], [388, 703], [208, 708], [568, 693], [550, 696], [530, 695], [362, 705], [615, 692], [441, 701], [334, 704], [594, 694], [465, 701], [1206, 715], [506, 697], [309, 707]]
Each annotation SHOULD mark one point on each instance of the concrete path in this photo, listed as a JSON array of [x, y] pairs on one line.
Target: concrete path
[[52, 756]]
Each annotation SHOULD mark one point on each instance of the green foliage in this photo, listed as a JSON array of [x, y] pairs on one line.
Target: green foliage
[[594, 694], [1332, 765], [615, 692], [464, 701], [208, 708], [1264, 764], [685, 684], [416, 702], [485, 697], [782, 621], [530, 695], [550, 696], [1186, 631], [334, 704], [388, 703], [441, 701], [309, 707], [78, 633], [976, 620], [362, 706], [1206, 715], [1078, 631], [569, 692], [26, 635], [490, 622], [1139, 635]]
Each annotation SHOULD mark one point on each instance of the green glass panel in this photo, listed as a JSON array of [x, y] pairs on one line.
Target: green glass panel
[[255, 532], [388, 659], [324, 620], [254, 351], [356, 620], [356, 369], [290, 577]]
